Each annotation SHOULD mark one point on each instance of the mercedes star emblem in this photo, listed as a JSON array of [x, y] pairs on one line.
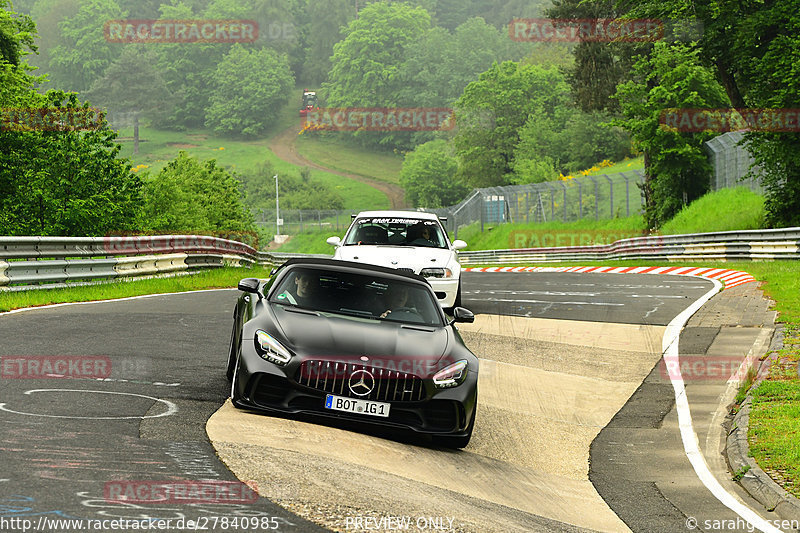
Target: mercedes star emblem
[[361, 383]]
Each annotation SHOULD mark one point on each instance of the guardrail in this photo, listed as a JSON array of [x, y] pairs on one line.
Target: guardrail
[[57, 260], [752, 245]]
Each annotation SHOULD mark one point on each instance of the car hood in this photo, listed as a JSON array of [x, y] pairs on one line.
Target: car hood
[[414, 257], [347, 339]]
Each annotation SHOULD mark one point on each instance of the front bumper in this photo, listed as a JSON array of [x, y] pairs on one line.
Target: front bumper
[[445, 289], [263, 386]]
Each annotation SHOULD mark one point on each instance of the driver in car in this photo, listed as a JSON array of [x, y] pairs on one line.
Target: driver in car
[[397, 299], [304, 291]]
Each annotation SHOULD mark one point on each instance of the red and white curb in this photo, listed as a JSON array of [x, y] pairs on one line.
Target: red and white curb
[[730, 278]]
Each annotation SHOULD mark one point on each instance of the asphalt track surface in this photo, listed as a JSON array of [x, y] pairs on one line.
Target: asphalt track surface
[[63, 441]]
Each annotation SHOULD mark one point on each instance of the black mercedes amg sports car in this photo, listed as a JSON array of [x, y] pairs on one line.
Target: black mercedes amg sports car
[[353, 342]]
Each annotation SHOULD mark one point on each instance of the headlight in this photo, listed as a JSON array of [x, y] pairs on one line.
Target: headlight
[[270, 349], [436, 273], [452, 375]]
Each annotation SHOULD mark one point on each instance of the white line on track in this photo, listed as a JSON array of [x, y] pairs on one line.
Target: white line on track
[[141, 297], [691, 446], [171, 407]]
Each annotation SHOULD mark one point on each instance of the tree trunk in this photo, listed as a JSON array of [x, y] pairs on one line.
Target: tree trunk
[[729, 84]]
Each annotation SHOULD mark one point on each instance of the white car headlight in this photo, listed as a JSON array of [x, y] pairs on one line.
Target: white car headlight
[[270, 349], [451, 375], [440, 273]]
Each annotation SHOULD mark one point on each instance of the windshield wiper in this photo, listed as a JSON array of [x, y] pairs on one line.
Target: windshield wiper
[[301, 311]]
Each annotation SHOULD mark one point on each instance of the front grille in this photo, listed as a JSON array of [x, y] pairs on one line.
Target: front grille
[[409, 270], [334, 377]]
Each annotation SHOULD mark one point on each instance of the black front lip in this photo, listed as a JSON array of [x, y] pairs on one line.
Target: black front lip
[[306, 401]]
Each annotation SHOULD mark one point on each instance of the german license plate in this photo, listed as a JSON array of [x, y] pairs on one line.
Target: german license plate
[[355, 405]]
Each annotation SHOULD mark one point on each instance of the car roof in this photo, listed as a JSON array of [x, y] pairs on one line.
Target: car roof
[[421, 215], [336, 264]]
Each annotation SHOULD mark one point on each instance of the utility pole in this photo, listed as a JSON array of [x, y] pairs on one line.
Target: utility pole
[[277, 209]]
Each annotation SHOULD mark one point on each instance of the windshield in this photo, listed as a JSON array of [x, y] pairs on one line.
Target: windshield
[[360, 295], [396, 232]]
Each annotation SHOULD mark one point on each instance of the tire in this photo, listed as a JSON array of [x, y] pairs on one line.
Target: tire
[[459, 442]]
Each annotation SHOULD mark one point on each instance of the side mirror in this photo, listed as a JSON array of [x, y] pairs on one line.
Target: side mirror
[[462, 314], [334, 241], [249, 285], [458, 244]]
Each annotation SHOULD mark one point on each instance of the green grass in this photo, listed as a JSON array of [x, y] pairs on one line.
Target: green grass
[[310, 243], [723, 210], [623, 166], [242, 155], [209, 279], [338, 155], [580, 232]]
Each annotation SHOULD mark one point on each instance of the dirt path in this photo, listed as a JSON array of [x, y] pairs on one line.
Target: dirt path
[[283, 146]]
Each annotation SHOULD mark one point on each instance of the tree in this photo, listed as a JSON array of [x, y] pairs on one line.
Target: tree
[[16, 34], [68, 183], [754, 51], [491, 113], [297, 190], [84, 52], [599, 66], [132, 84], [367, 62], [676, 167], [192, 196], [429, 176], [188, 72], [326, 24], [248, 90]]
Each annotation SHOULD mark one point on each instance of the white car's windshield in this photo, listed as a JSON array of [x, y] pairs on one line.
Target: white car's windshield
[[396, 232]]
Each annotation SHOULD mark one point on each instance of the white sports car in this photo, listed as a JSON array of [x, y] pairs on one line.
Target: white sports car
[[406, 240]]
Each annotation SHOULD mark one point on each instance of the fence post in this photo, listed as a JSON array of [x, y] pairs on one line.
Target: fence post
[[481, 205], [627, 196], [610, 195], [563, 184], [596, 192], [580, 200]]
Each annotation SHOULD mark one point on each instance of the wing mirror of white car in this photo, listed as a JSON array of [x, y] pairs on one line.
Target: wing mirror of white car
[[334, 241], [458, 244]]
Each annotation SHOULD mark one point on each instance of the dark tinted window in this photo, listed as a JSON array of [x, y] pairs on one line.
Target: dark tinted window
[[362, 295]]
